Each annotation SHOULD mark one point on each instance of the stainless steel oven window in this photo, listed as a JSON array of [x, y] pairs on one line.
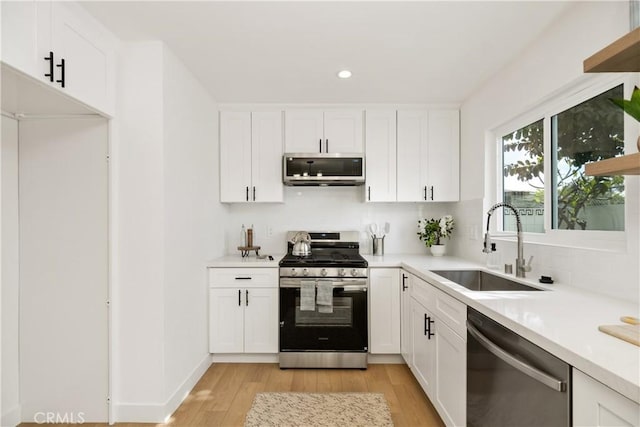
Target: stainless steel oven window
[[342, 315]]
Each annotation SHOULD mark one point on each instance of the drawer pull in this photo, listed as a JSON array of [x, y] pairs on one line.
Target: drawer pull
[[243, 278]]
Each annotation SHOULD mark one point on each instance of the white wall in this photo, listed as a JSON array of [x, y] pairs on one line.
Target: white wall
[[549, 64], [138, 197], [168, 223], [10, 403], [330, 208], [194, 220]]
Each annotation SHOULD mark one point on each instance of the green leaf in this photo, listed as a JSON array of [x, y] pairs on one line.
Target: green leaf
[[631, 106]]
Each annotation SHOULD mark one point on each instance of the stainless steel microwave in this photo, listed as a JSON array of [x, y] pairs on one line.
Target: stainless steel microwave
[[323, 169]]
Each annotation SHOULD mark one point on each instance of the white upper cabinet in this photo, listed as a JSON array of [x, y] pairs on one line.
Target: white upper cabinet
[[251, 157], [380, 148], [412, 155], [304, 131], [62, 45], [428, 156], [317, 131], [20, 35], [443, 158]]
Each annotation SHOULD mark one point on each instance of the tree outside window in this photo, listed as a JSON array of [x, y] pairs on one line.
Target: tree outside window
[[587, 132]]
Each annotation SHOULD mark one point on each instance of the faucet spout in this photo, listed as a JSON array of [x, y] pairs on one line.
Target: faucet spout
[[521, 266]]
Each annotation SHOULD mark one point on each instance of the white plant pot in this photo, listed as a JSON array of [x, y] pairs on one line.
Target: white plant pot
[[437, 250]]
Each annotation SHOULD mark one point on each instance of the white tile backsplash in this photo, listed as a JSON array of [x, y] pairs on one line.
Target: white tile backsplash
[[330, 208]]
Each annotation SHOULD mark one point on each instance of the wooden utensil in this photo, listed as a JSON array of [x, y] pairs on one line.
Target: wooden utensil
[[630, 320]]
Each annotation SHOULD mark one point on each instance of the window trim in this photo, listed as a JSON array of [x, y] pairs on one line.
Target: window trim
[[582, 89]]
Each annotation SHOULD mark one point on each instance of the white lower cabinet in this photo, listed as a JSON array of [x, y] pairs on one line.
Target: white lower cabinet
[[451, 374], [406, 320], [437, 349], [243, 310], [384, 300], [424, 349], [595, 404]]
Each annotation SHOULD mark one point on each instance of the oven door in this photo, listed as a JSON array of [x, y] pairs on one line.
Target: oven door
[[345, 329]]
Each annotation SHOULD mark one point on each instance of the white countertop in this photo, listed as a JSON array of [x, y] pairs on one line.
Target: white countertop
[[236, 261], [564, 320]]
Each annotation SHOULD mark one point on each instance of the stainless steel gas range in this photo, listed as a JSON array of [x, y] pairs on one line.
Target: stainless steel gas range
[[323, 304]]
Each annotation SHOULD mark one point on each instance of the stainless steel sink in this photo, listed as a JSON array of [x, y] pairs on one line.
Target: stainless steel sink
[[478, 280]]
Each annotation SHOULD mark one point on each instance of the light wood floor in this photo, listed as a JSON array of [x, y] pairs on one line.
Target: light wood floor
[[224, 394]]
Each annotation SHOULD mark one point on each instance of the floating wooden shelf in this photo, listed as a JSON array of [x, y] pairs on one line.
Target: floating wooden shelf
[[623, 165], [622, 55]]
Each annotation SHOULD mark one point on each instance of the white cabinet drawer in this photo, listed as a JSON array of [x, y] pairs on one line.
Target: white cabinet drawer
[[421, 291], [450, 311], [244, 277]]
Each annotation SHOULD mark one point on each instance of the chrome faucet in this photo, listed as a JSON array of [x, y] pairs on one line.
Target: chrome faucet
[[521, 266]]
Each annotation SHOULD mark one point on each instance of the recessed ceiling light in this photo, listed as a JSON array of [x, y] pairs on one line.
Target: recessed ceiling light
[[344, 74]]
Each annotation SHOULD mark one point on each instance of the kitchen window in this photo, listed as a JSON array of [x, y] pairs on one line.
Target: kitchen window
[[541, 166]]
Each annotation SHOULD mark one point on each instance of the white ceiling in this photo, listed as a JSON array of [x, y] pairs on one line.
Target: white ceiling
[[290, 52]]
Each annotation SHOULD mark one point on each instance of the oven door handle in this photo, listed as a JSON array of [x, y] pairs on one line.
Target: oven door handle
[[356, 285], [508, 358]]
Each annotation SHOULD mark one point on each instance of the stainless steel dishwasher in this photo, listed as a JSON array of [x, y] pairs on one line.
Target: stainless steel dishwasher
[[511, 381]]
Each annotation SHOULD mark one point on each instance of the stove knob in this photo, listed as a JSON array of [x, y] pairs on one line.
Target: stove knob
[[342, 272], [305, 272], [354, 272], [323, 272], [294, 272]]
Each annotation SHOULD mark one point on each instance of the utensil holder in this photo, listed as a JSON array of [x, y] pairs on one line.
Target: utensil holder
[[378, 245]]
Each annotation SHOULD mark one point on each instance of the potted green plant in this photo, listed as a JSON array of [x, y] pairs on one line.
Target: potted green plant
[[433, 231], [631, 107]]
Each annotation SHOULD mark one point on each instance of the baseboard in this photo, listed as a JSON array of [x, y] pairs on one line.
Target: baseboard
[[386, 358], [187, 385], [160, 412], [12, 417], [244, 358]]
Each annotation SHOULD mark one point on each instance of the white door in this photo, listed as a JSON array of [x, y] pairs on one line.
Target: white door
[[406, 323], [226, 326], [266, 157], [235, 156], [380, 150], [412, 156], [64, 267], [343, 131], [451, 374], [384, 294], [303, 131], [423, 349], [443, 167], [87, 53], [261, 320]]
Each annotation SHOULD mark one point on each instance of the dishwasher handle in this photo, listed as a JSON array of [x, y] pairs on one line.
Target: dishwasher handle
[[536, 374]]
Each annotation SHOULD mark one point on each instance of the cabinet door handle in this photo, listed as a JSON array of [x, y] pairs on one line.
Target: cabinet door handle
[[425, 192], [247, 196], [326, 145], [429, 322], [404, 285], [246, 297], [239, 298], [369, 193], [426, 325], [254, 193], [61, 66], [50, 73], [320, 145], [432, 192]]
